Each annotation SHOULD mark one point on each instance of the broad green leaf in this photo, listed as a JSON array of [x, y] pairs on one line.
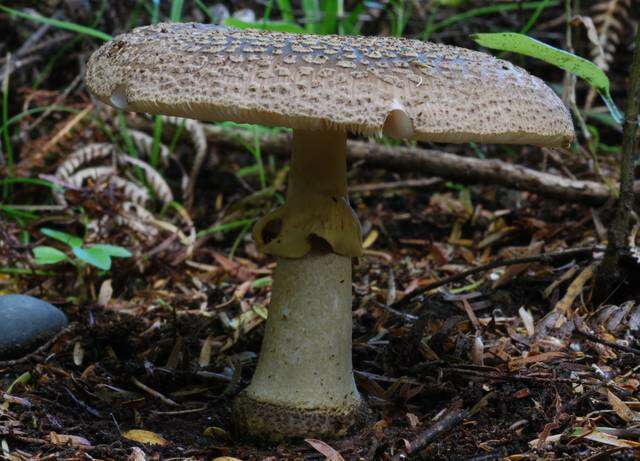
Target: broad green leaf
[[48, 255], [67, 239], [94, 257], [522, 44], [113, 250], [274, 26]]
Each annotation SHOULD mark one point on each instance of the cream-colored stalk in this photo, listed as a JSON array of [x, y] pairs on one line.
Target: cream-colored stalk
[[303, 384], [317, 203]]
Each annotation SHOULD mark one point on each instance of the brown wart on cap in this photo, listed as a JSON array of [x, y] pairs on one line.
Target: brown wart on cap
[[322, 87]]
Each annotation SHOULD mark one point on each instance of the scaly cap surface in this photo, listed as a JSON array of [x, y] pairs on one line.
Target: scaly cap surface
[[431, 92]]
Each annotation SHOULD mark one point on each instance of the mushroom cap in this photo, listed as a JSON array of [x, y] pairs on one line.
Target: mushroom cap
[[432, 92]]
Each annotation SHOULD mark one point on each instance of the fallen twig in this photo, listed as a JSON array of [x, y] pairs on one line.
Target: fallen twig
[[433, 162], [543, 258], [452, 417], [591, 337], [154, 393]]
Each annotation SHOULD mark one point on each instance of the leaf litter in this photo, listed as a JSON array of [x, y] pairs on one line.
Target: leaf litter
[[513, 361]]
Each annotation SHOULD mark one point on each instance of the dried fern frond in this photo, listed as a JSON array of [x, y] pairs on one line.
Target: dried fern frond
[[144, 145], [611, 18], [80, 158], [155, 180], [80, 176], [199, 141], [137, 218], [84, 156], [129, 189]]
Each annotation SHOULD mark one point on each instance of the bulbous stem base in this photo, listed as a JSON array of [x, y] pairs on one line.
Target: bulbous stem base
[[303, 385]]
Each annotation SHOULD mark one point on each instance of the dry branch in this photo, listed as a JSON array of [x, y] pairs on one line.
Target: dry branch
[[433, 162]]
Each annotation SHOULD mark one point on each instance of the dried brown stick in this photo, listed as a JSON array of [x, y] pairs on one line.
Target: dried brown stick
[[612, 345], [433, 162], [543, 258], [454, 416]]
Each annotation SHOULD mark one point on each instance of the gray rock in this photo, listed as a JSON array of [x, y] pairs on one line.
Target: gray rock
[[245, 15], [219, 12], [26, 323]]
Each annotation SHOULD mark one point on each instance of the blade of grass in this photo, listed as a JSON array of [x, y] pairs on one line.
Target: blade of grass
[[31, 181], [352, 24], [311, 10], [534, 17], [225, 227], [37, 110], [267, 11], [286, 10], [131, 147], [200, 4], [268, 25], [155, 11], [18, 215], [257, 155], [238, 239], [176, 10], [329, 17], [482, 11], [6, 139], [66, 25], [20, 271], [63, 51], [155, 144]]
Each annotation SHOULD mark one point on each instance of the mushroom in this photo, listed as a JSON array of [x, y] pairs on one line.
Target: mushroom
[[323, 87]]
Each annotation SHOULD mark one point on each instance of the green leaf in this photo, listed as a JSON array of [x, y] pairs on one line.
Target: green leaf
[[48, 255], [113, 250], [94, 256], [63, 237], [522, 44], [274, 26], [66, 25]]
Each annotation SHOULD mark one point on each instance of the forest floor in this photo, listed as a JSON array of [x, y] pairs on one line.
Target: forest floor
[[518, 361]]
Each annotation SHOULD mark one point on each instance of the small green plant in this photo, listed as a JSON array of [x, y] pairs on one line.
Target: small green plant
[[98, 255]]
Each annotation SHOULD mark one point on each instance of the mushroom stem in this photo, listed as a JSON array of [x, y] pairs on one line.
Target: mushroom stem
[[303, 384], [318, 164], [317, 201]]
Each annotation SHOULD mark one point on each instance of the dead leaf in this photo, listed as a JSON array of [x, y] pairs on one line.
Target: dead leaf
[[370, 239], [106, 292], [325, 449], [564, 305], [145, 437], [71, 440], [78, 353], [137, 455], [601, 437], [414, 421], [527, 320], [205, 353], [511, 272], [543, 357], [621, 408]]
